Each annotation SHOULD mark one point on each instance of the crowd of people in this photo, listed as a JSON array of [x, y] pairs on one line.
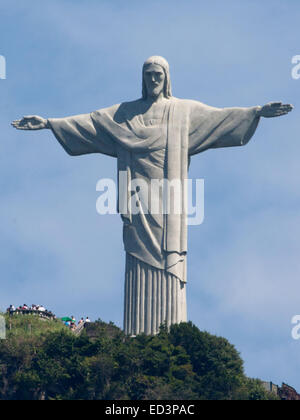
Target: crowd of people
[[40, 310], [32, 310]]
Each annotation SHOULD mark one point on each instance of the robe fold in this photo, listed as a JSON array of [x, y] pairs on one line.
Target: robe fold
[[160, 151]]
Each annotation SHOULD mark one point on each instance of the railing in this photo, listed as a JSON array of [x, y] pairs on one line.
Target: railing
[[41, 314], [78, 330]]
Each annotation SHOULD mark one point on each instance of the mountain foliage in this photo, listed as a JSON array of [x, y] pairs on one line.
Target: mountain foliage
[[43, 360]]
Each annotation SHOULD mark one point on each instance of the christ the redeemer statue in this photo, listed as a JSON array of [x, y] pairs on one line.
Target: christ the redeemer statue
[[154, 138]]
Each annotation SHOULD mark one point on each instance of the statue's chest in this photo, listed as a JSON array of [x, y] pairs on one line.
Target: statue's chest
[[154, 116]]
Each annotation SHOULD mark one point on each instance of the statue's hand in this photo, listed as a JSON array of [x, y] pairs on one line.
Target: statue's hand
[[275, 109], [32, 122]]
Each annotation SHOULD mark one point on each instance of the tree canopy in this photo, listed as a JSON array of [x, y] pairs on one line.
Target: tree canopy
[[47, 361]]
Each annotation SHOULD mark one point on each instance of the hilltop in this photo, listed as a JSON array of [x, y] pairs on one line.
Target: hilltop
[[43, 360]]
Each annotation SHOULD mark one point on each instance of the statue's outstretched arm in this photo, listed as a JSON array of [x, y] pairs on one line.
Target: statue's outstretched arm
[[31, 122], [212, 128], [78, 134], [274, 109]]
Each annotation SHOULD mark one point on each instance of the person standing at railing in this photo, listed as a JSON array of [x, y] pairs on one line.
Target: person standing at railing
[[81, 322], [11, 310]]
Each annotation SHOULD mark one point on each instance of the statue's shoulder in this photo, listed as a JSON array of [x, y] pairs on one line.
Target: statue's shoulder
[[111, 110], [131, 106], [190, 104], [128, 110], [125, 108]]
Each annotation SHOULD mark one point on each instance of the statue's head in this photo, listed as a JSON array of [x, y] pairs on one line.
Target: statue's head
[[156, 77]]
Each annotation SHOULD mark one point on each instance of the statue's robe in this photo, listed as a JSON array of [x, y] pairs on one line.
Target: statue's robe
[[155, 244]]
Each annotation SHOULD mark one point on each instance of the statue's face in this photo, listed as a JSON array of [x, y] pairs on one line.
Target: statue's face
[[154, 77]]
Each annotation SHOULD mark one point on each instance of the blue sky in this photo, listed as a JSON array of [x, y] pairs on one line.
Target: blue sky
[[70, 57]]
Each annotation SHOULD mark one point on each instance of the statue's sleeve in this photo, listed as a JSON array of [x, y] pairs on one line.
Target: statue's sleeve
[[210, 128], [82, 134]]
